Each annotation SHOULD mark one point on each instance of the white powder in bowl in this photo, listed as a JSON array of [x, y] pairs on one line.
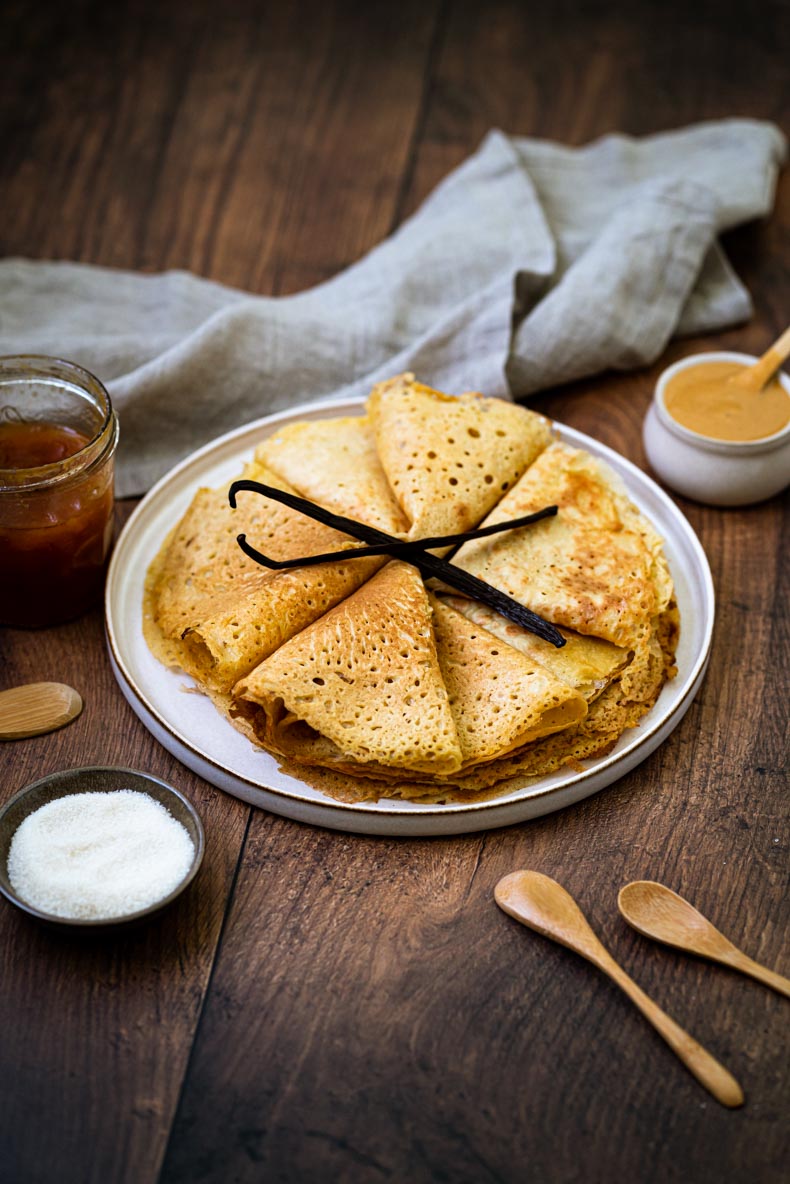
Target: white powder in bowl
[[98, 855]]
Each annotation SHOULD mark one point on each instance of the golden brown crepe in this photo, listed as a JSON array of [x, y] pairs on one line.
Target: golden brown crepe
[[201, 560], [588, 664], [500, 698], [334, 462], [215, 612], [365, 677], [595, 568], [449, 459], [619, 707]]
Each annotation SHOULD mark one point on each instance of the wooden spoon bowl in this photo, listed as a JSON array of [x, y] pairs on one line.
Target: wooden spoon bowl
[[656, 911]]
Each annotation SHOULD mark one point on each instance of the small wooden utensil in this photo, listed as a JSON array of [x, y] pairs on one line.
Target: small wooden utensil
[[37, 707], [755, 377], [542, 904], [658, 912]]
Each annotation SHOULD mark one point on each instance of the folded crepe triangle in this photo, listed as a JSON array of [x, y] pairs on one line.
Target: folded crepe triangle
[[217, 614], [588, 664], [365, 677], [595, 568], [500, 698], [334, 462], [449, 459]]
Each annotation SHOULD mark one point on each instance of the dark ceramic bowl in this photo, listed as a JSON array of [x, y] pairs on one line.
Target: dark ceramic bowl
[[95, 778]]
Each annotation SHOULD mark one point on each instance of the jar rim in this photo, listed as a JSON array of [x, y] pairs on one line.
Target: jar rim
[[104, 438], [711, 443]]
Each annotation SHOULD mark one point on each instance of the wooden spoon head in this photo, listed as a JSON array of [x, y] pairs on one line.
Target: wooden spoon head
[[543, 905], [36, 708], [656, 911]]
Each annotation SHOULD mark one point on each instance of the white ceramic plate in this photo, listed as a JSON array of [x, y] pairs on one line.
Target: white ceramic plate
[[188, 725]]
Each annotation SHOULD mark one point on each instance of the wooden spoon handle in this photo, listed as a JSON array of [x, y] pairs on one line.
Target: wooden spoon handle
[[755, 377], [705, 1068], [761, 973]]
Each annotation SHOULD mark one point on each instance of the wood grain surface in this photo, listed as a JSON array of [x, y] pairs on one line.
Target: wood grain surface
[[323, 1007]]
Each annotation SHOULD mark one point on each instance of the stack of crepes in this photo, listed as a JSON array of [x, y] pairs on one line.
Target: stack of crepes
[[391, 686]]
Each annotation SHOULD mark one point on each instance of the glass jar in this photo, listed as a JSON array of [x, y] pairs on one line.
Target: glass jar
[[58, 434]]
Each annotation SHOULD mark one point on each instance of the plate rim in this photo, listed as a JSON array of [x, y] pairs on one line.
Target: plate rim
[[342, 814]]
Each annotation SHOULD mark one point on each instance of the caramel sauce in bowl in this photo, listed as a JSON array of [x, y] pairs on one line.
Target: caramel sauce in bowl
[[709, 463]]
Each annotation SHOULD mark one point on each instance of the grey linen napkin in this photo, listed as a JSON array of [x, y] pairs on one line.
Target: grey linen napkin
[[529, 265]]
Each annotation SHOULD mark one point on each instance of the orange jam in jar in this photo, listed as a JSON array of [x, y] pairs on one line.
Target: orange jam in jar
[[58, 434]]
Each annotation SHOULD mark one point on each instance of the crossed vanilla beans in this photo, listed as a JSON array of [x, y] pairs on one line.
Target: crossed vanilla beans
[[414, 551]]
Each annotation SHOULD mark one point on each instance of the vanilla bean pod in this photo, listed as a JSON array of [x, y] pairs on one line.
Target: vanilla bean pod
[[412, 551]]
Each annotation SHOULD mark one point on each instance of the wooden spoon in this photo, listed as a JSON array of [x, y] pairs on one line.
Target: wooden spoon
[[755, 377], [542, 904], [37, 707], [659, 912]]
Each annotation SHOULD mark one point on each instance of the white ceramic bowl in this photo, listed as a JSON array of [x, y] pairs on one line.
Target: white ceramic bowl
[[715, 472]]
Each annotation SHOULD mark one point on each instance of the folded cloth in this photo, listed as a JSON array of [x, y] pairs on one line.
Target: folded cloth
[[529, 265]]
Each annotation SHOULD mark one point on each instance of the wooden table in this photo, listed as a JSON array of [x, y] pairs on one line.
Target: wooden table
[[324, 1007]]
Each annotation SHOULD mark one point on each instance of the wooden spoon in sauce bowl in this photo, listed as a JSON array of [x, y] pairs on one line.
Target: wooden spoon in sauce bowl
[[36, 708], [755, 377], [658, 912], [542, 904]]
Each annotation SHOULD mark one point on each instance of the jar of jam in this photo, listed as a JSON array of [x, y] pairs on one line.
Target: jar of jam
[[58, 434]]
